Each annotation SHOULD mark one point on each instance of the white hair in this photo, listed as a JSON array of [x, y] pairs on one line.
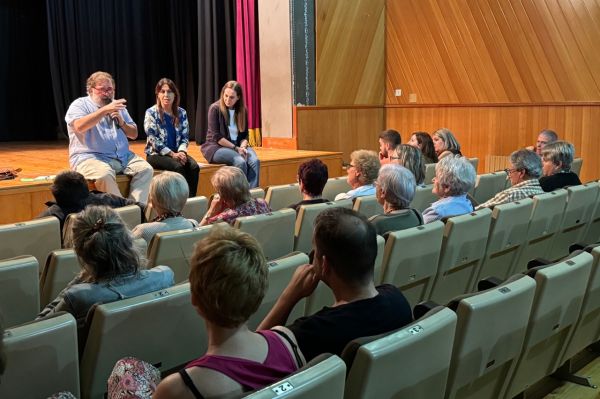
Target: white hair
[[398, 183], [456, 173]]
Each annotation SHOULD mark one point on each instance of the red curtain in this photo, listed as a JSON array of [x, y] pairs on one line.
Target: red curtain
[[248, 63]]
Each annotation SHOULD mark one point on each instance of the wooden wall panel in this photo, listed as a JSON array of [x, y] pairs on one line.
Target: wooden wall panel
[[501, 129], [350, 40], [345, 129], [490, 51]]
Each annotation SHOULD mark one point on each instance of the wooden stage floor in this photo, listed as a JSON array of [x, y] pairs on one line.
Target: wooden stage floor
[[22, 200]]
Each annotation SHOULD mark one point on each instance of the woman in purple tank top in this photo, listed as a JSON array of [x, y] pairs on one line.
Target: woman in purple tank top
[[228, 280]]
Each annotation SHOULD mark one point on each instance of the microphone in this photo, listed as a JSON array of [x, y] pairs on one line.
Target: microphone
[[115, 120]]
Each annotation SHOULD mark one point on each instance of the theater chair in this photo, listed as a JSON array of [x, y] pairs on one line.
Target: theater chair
[[368, 206], [279, 197], [194, 208], [335, 186], [274, 231], [488, 185], [424, 197], [35, 237], [19, 292], [306, 219]]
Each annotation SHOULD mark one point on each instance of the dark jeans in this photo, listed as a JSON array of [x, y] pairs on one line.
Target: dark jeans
[[190, 170]]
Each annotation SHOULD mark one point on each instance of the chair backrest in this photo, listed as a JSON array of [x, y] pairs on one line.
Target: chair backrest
[[131, 215], [274, 231], [592, 233], [421, 350], [306, 220], [560, 289], [368, 206], [67, 231], [546, 216], [508, 232], [279, 197], [61, 267], [576, 165], [581, 202], [42, 358], [161, 327], [323, 377], [335, 186], [36, 237], [463, 248], [410, 260], [424, 197], [195, 208], [280, 274], [429, 173], [488, 185], [490, 327], [257, 192], [474, 162], [19, 292], [174, 249]]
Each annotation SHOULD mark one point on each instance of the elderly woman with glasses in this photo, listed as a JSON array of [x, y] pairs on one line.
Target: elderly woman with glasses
[[454, 178], [557, 158], [362, 172], [524, 172]]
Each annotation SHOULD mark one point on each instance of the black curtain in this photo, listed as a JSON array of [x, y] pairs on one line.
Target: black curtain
[[26, 111], [216, 52], [137, 41]]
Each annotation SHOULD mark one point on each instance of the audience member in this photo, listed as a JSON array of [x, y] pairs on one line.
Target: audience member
[[454, 178], [111, 266], [168, 195], [71, 195], [412, 159], [388, 140], [166, 126], [312, 177], [445, 143], [423, 141], [228, 279], [556, 166], [362, 172], [99, 127], [345, 247], [395, 189], [525, 170], [546, 136], [234, 199]]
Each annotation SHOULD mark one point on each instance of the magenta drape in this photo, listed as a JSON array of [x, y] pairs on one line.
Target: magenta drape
[[248, 62]]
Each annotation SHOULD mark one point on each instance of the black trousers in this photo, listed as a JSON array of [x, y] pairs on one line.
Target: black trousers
[[190, 171]]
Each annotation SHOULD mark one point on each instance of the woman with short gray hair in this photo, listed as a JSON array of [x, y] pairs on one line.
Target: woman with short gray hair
[[525, 170], [454, 178], [556, 166], [395, 189], [362, 173], [168, 193]]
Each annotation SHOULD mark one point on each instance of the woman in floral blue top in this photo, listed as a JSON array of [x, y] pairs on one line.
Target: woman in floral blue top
[[166, 126], [234, 198]]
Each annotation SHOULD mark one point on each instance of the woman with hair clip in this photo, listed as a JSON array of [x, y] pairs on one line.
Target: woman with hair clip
[[166, 126], [227, 136]]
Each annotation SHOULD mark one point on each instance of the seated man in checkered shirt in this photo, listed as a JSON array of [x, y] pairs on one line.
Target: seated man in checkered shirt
[[525, 170]]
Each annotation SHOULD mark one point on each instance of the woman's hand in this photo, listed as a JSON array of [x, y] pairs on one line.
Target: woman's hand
[[180, 157]]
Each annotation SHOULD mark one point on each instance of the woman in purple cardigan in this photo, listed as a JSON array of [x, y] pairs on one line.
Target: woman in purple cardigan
[[227, 136]]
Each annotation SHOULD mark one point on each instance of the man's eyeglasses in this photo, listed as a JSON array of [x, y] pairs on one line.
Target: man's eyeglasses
[[509, 171], [348, 166], [104, 89]]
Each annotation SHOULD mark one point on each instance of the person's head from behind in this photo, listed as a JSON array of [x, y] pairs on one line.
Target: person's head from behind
[[395, 186], [345, 244], [69, 189], [444, 140], [388, 140], [454, 176], [557, 157], [312, 177], [546, 136], [231, 185], [103, 244], [363, 169], [101, 87], [168, 193], [423, 141], [412, 159], [228, 277], [525, 165]]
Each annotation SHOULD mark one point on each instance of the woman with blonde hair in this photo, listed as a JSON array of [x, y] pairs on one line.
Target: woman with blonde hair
[[445, 143]]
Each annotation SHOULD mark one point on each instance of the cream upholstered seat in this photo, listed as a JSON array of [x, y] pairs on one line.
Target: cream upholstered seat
[[412, 362], [474, 162], [162, 328], [36, 237], [429, 172], [368, 206], [576, 166], [489, 335], [410, 260], [131, 215], [19, 292], [306, 219], [257, 192], [488, 185], [592, 232], [335, 186], [279, 197], [274, 231], [463, 248], [322, 377], [424, 197], [194, 208], [42, 358]]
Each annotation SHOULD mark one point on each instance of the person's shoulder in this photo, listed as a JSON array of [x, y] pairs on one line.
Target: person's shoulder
[[153, 110], [171, 386], [163, 272]]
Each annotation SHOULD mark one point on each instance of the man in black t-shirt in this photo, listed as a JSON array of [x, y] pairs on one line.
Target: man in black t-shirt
[[345, 247]]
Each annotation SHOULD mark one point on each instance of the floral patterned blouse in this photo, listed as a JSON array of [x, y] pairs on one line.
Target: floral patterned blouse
[[255, 206]]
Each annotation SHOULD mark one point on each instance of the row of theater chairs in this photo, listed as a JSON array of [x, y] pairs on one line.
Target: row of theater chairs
[[494, 343]]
